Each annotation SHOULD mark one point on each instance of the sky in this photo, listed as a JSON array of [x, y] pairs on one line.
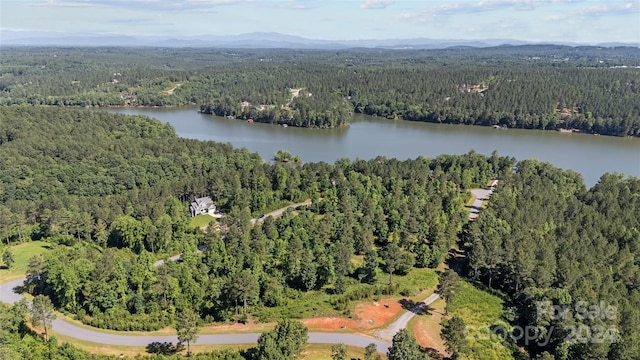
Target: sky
[[580, 21]]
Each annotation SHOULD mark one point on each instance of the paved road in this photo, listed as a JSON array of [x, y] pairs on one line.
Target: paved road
[[481, 195], [401, 323], [280, 211], [201, 248], [7, 295]]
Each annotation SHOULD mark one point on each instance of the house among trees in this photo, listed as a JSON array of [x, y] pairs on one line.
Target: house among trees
[[203, 205]]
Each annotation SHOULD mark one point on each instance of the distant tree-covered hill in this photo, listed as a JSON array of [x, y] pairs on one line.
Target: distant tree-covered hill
[[591, 89]]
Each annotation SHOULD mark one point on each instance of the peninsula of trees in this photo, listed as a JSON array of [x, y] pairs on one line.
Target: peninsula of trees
[[588, 89]]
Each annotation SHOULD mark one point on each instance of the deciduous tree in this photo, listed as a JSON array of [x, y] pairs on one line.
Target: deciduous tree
[[338, 352], [285, 341], [405, 347]]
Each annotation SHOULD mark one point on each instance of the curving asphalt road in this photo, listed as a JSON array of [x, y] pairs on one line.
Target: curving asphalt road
[[7, 295]]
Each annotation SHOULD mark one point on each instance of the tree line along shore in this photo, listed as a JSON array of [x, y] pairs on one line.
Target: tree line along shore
[[587, 89]]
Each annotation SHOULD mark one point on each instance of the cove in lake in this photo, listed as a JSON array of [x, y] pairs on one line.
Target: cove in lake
[[368, 137]]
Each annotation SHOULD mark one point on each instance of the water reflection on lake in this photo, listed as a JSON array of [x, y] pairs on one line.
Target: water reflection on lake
[[368, 137]]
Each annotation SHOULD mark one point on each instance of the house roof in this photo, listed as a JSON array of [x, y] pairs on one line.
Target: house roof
[[204, 201]]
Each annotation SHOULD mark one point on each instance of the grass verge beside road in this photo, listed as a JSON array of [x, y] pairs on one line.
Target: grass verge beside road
[[311, 352]]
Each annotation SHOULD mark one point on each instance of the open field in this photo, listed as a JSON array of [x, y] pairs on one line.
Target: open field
[[480, 310], [22, 253]]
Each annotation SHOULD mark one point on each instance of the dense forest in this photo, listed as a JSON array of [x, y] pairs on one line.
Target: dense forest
[[545, 238], [589, 89], [123, 184], [111, 192]]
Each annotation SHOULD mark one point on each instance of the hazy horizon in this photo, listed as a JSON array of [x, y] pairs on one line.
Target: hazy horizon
[[553, 21]]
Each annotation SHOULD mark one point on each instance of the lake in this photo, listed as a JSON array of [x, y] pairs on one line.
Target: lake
[[368, 137]]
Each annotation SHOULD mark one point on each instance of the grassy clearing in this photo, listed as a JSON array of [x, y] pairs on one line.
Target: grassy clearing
[[472, 198], [416, 281], [306, 305], [22, 253], [201, 220], [322, 304], [480, 310], [171, 89]]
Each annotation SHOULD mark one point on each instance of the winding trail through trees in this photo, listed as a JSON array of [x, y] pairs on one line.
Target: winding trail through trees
[[281, 210], [294, 94], [9, 295]]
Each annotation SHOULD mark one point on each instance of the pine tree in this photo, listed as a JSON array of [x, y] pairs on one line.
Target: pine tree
[[187, 327]]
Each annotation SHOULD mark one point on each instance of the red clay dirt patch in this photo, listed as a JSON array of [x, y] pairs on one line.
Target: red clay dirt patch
[[374, 314], [368, 315], [426, 328], [331, 324]]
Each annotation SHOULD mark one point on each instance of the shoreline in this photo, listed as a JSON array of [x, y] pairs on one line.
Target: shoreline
[[497, 127], [196, 107]]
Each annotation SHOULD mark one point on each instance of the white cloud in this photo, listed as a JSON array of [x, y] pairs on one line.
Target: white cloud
[[376, 4], [609, 9], [512, 4], [52, 3]]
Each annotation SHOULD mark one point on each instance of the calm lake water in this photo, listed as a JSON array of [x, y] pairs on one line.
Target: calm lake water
[[368, 137]]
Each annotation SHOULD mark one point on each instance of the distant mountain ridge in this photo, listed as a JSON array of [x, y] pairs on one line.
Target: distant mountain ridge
[[251, 40]]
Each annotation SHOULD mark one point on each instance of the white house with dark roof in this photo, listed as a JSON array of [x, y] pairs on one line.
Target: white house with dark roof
[[203, 205]]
